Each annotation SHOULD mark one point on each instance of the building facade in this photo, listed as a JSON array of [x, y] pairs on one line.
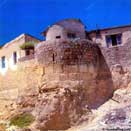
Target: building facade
[[11, 52], [111, 37], [67, 29]]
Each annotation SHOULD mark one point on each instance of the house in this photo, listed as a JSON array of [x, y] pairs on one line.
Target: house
[[111, 37], [11, 52], [75, 29], [65, 29]]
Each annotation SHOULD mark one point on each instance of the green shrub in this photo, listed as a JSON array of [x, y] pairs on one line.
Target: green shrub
[[28, 45], [22, 120]]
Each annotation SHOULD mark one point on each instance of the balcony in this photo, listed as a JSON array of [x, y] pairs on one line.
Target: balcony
[[26, 58]]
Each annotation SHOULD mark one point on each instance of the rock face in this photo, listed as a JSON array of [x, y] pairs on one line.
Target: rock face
[[121, 77], [115, 114], [77, 61], [61, 106], [115, 119], [118, 118], [76, 80]]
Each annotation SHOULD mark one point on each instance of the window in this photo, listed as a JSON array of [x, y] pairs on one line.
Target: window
[[71, 35], [114, 40], [118, 38], [58, 37], [27, 52], [3, 62], [53, 57], [15, 57]]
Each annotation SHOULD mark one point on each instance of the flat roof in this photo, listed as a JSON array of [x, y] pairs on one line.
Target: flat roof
[[60, 23], [17, 38], [110, 28]]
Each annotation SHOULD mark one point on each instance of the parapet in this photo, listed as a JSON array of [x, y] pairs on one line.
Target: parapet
[[67, 52]]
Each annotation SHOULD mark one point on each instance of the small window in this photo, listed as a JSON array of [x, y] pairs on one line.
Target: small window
[[114, 40], [53, 57], [3, 62], [71, 35], [15, 57], [27, 52], [58, 37]]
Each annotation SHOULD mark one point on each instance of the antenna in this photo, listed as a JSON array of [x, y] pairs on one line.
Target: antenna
[[97, 27]]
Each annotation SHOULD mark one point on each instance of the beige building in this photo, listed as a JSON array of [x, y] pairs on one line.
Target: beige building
[[111, 37], [65, 29], [75, 29], [11, 53]]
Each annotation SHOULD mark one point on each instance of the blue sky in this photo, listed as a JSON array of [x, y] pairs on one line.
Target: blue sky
[[33, 16]]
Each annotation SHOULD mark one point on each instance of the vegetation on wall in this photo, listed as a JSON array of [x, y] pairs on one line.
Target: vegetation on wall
[[22, 120], [28, 45]]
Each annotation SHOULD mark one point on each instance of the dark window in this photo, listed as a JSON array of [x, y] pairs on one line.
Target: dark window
[[114, 40], [71, 35], [15, 57], [27, 52], [53, 57], [58, 37], [3, 62]]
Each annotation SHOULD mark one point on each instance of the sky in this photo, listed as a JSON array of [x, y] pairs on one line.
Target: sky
[[34, 16]]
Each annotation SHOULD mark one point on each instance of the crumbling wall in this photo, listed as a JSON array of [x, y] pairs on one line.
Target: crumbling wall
[[19, 82], [76, 80], [118, 55], [119, 62], [79, 60]]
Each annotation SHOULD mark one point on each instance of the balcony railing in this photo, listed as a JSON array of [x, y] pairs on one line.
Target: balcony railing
[[26, 58]]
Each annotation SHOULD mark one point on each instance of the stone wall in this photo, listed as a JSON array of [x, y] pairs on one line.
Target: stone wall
[[119, 62], [15, 83], [125, 31], [118, 55], [76, 79], [81, 61]]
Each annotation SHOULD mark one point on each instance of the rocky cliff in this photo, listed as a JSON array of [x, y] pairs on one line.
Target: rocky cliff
[[75, 80], [71, 84]]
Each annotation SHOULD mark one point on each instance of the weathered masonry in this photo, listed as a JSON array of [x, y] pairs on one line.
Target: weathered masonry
[[69, 53], [112, 41], [111, 37]]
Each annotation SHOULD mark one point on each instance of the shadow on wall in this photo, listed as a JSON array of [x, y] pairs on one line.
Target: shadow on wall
[[104, 82]]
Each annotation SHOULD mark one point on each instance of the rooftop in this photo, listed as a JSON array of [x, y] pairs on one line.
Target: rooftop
[[110, 28], [61, 24], [16, 39]]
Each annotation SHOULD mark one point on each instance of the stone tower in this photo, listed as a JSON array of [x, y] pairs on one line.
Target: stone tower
[[75, 70]]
